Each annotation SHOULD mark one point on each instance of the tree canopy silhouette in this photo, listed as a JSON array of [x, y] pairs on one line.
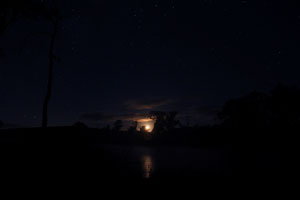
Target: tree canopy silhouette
[[285, 106], [280, 109], [164, 121], [13, 10]]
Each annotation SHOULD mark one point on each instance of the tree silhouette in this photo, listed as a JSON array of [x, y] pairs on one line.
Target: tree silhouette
[[249, 111], [133, 128], [1, 124], [164, 121], [280, 109], [54, 17], [13, 10], [159, 118], [285, 106], [118, 125], [171, 121], [80, 125], [143, 129]]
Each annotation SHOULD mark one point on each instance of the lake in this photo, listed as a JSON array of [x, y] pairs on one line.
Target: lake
[[169, 161]]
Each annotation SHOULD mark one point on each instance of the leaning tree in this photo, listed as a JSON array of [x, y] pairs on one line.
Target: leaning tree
[[53, 15]]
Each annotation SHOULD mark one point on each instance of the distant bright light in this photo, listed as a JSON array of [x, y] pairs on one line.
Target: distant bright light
[[145, 125]]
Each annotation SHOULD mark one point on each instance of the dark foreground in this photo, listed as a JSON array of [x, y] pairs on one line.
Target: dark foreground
[[67, 155]]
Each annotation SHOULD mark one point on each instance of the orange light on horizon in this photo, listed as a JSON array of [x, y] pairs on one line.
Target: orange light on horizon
[[144, 120], [146, 124], [148, 127]]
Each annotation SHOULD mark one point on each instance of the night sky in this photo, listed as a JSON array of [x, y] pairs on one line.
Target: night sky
[[121, 59]]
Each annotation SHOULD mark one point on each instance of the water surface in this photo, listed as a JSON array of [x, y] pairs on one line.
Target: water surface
[[148, 162]]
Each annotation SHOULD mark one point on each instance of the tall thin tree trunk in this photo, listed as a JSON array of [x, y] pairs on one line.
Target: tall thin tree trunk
[[50, 75]]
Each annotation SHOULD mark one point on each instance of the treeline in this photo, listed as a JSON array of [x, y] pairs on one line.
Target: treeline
[[279, 109]]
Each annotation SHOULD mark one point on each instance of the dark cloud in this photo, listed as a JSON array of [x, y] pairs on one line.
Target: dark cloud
[[147, 104], [136, 110], [102, 117], [207, 115], [208, 110], [192, 114], [133, 110]]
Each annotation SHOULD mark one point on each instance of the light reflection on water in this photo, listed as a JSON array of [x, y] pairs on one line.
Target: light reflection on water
[[149, 162], [147, 166]]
